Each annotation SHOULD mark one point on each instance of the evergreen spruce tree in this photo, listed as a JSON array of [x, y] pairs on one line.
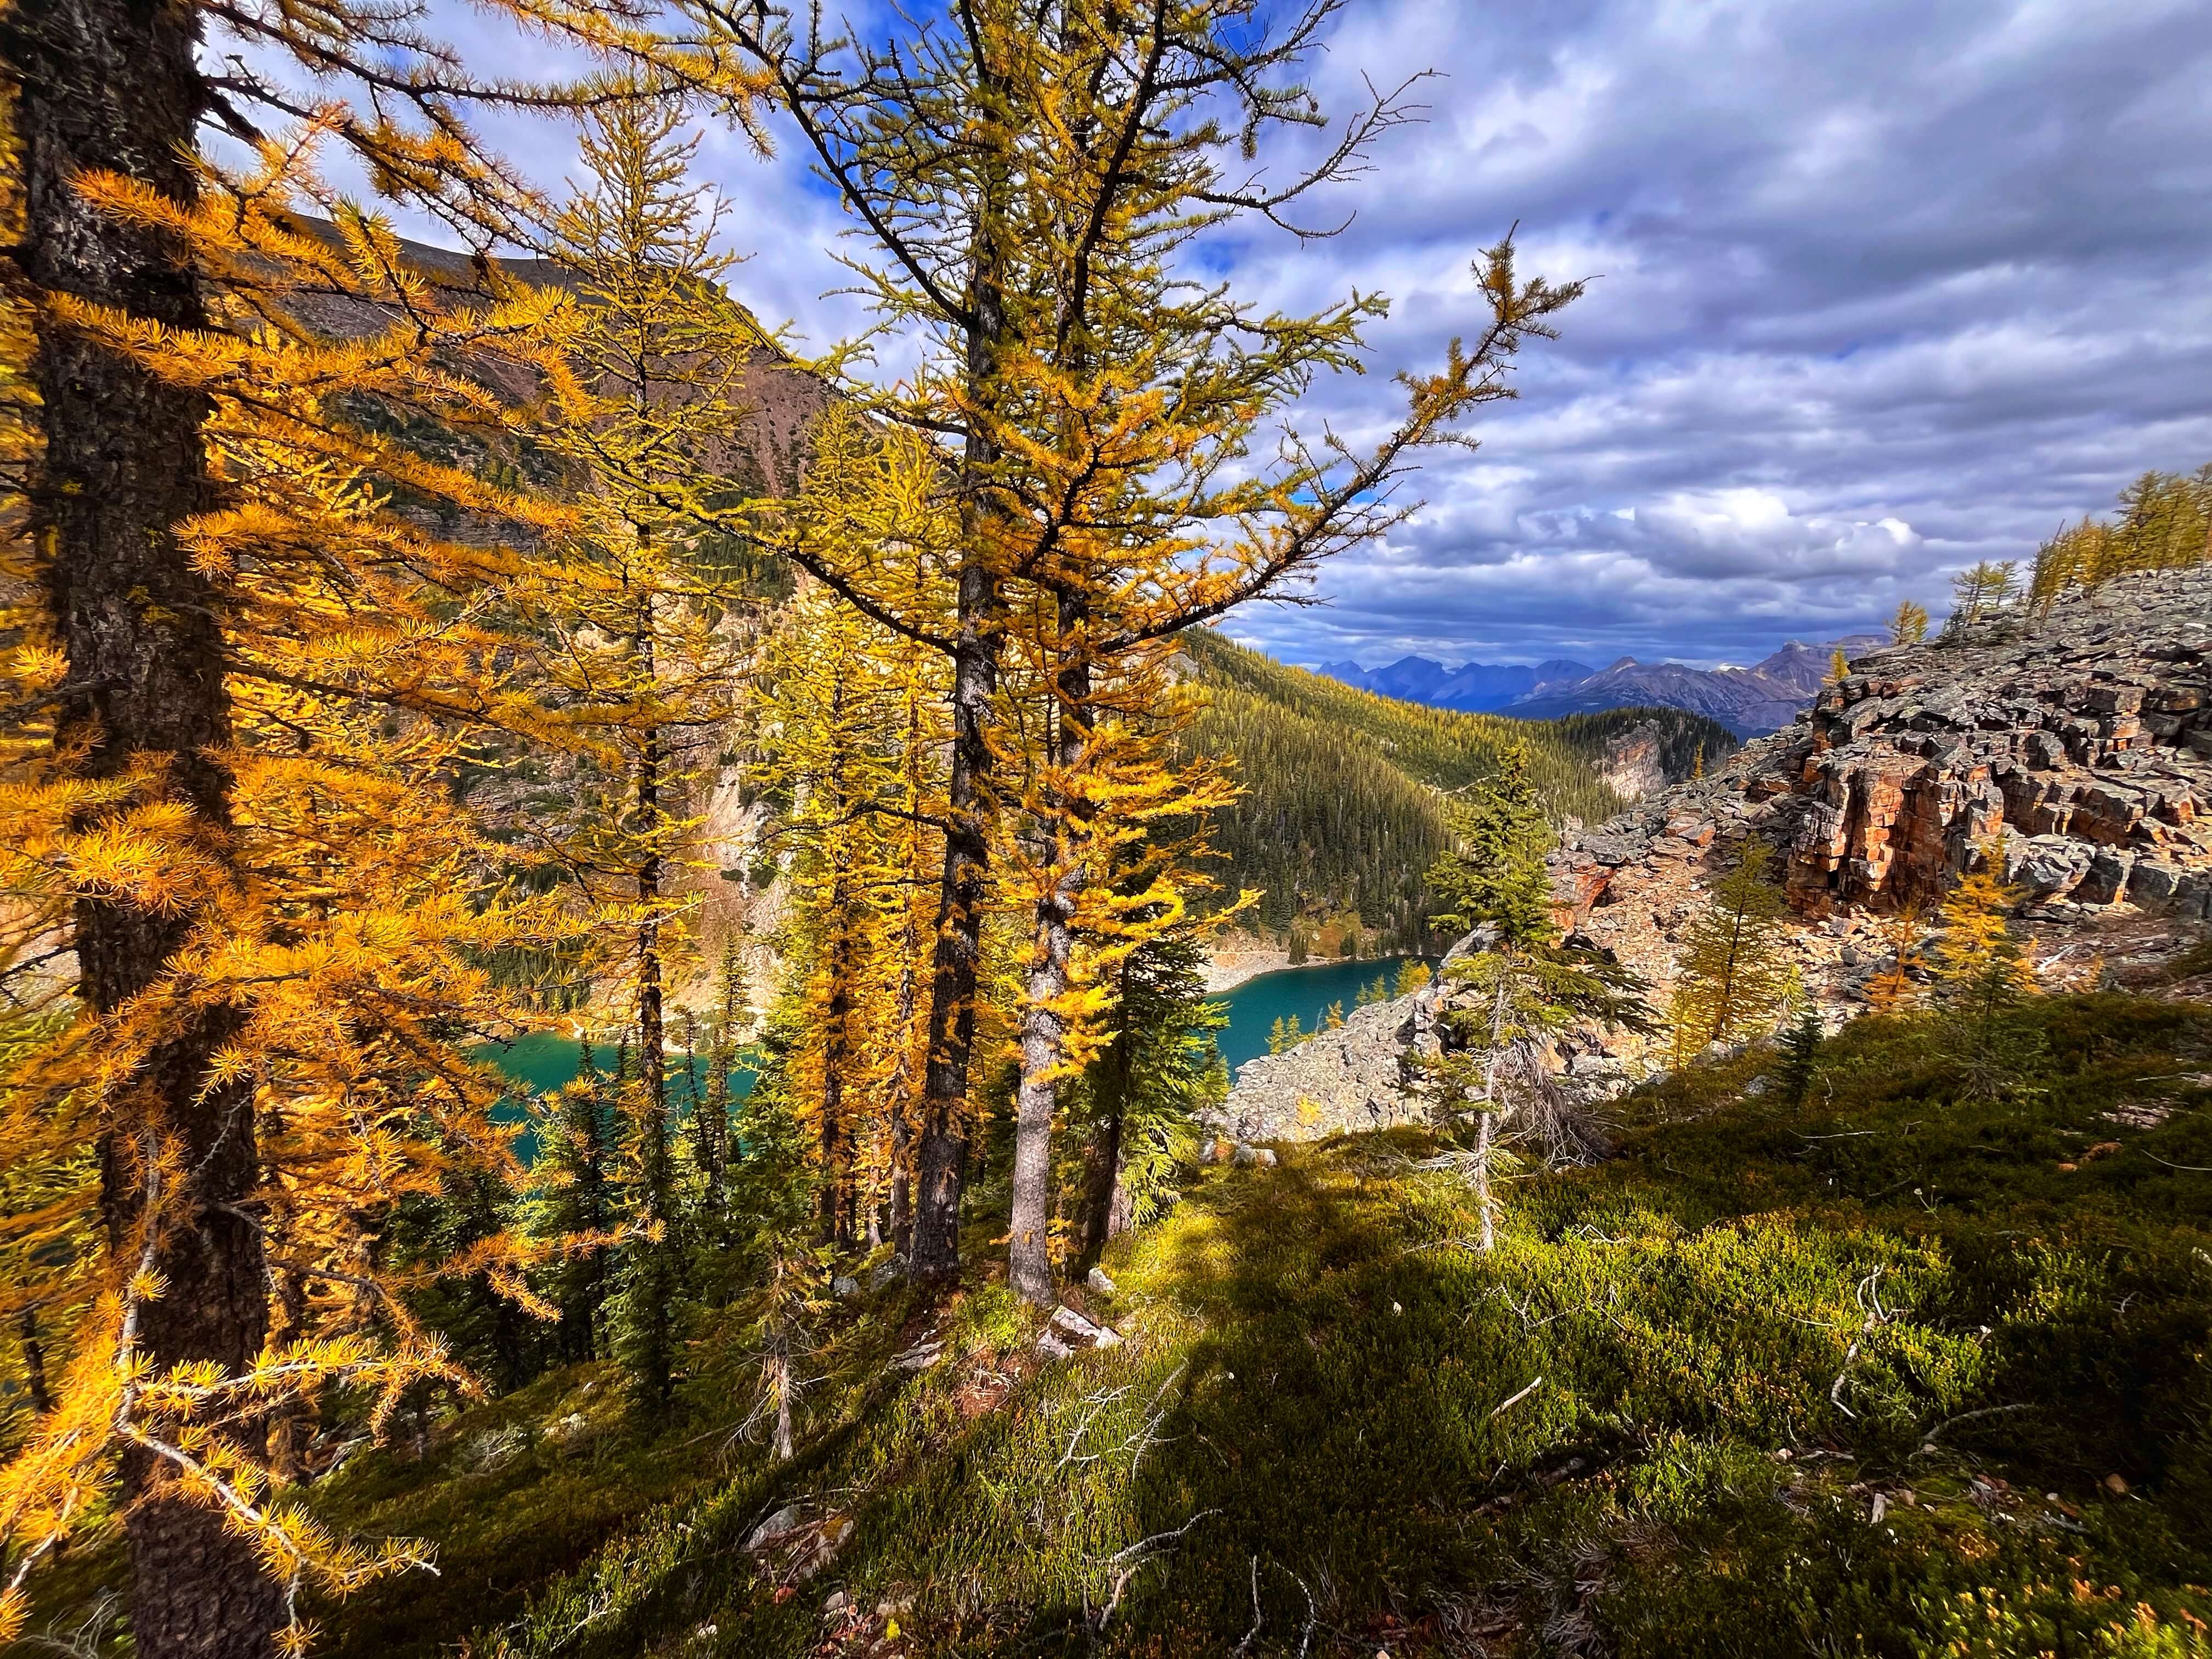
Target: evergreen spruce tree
[[1142, 1094], [1518, 988], [576, 1153], [647, 1277], [725, 1034], [774, 1202], [1800, 1048]]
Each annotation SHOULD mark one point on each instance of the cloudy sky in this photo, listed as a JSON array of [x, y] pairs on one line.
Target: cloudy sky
[[1883, 287]]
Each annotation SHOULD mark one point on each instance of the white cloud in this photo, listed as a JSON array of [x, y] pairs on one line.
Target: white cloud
[[1886, 286]]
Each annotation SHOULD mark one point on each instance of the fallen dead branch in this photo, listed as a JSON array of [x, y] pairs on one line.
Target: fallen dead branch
[[1870, 1301]]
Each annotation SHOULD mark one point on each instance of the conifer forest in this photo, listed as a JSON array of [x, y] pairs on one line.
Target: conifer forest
[[619, 915]]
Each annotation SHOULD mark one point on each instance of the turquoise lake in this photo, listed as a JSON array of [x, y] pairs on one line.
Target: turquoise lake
[[543, 1060], [546, 1059], [1259, 1002]]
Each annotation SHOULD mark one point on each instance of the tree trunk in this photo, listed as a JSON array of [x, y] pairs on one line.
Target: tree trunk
[[1044, 1034], [1486, 1135], [34, 1364], [781, 1383], [1028, 1248], [941, 1156], [836, 1056], [1484, 1141], [652, 1287], [902, 1216], [112, 84], [1106, 1201]]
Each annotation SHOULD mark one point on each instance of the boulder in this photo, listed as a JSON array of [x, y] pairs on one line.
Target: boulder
[[921, 1357], [1067, 1333], [2107, 880], [2153, 885]]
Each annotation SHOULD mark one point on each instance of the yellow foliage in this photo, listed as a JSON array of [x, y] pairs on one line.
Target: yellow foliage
[[338, 926], [1891, 989]]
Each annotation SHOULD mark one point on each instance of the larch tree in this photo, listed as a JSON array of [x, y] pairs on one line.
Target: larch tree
[[1735, 973], [1982, 974], [1909, 626], [2166, 523], [1021, 179], [1982, 592], [242, 704], [852, 735], [1893, 987], [281, 918], [647, 619], [827, 703]]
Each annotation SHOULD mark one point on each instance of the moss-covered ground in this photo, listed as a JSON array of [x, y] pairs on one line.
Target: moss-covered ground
[[1890, 1374]]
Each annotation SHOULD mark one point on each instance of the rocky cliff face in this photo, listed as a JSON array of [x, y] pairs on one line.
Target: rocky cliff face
[[2079, 744], [1634, 766]]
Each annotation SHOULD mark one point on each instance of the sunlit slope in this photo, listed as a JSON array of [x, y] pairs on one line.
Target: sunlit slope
[[1343, 808], [1765, 1383]]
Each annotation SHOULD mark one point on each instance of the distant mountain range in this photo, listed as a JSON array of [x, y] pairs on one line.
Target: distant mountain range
[[1478, 687], [1749, 702]]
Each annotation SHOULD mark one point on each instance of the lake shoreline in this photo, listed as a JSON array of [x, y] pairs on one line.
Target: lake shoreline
[[1228, 968], [1306, 993]]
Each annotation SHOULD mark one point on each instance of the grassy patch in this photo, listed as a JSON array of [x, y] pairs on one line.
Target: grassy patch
[[1892, 1376]]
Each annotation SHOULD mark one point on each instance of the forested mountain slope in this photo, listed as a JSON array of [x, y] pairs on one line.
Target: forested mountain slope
[[1344, 804]]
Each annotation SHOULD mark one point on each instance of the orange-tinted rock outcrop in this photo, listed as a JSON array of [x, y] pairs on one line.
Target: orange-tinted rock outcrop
[[2078, 741]]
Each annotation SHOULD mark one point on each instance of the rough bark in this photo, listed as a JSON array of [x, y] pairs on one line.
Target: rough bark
[[1486, 1135], [782, 1384], [1043, 1028], [652, 1289], [941, 1152], [1043, 1044], [901, 1219], [111, 84]]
